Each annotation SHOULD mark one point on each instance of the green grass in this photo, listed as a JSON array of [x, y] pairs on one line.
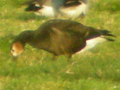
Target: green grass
[[98, 69]]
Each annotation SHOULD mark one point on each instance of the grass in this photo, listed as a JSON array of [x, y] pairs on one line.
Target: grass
[[98, 69]]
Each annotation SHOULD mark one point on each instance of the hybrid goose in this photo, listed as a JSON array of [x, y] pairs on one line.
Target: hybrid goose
[[53, 8], [60, 37]]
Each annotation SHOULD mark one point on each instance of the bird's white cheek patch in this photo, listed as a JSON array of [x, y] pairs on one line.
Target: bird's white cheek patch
[[15, 54]]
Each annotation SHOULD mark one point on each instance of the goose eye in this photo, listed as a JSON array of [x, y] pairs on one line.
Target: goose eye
[[12, 50]]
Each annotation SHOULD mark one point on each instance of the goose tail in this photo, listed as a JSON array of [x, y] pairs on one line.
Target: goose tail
[[107, 33]]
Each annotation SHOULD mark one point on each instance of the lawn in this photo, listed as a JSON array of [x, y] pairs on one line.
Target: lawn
[[97, 69]]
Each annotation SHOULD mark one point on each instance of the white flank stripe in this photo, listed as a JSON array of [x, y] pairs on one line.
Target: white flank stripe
[[71, 12], [74, 13], [46, 11], [91, 43]]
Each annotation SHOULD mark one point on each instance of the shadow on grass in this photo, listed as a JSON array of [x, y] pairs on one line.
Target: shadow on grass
[[30, 16]]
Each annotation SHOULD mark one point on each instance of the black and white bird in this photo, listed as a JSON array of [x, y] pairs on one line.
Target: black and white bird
[[60, 37], [54, 8]]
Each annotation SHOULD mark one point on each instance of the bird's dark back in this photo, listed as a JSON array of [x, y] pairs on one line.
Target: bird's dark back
[[60, 37]]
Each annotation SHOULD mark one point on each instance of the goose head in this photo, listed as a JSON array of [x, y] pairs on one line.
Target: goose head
[[16, 48]]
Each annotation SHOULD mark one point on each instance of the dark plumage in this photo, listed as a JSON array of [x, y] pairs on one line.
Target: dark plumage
[[60, 37], [53, 8]]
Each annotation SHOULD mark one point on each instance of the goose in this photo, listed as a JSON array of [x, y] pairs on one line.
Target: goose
[[60, 37], [53, 8]]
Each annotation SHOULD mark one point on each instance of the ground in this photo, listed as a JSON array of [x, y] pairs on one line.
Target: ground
[[97, 69]]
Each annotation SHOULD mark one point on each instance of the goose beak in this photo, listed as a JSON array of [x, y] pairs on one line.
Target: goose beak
[[14, 57], [14, 54]]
